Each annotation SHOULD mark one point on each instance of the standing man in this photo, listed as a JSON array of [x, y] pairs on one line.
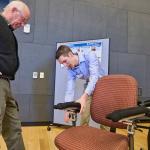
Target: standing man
[[83, 66], [14, 15]]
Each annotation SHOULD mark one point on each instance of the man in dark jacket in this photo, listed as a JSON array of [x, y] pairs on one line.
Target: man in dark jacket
[[14, 15]]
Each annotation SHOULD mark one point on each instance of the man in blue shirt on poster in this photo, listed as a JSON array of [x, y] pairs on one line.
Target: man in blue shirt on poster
[[84, 66]]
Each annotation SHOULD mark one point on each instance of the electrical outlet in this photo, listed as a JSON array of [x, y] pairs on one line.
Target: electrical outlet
[[26, 28], [35, 75], [41, 75]]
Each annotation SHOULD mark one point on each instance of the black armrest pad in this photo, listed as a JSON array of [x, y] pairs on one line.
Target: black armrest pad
[[68, 105], [128, 112]]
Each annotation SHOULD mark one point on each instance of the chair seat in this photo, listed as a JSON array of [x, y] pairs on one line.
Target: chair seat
[[89, 138]]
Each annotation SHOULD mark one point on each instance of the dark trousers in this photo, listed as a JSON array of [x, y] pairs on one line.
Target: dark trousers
[[10, 125]]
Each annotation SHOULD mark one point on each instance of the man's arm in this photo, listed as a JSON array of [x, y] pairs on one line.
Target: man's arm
[[82, 101], [94, 69], [95, 73], [69, 94]]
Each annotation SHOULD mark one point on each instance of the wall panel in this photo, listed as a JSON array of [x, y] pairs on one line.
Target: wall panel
[[89, 22]]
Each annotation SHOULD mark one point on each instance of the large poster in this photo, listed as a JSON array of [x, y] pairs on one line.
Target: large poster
[[101, 48]]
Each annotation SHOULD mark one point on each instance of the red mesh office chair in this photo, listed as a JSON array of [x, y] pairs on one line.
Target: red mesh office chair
[[111, 93]]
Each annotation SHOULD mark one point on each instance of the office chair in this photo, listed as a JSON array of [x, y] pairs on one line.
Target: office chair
[[114, 96]]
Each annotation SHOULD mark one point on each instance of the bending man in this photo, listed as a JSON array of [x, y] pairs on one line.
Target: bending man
[[83, 66]]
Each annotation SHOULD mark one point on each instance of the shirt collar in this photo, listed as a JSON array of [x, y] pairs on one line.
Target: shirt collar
[[81, 57]]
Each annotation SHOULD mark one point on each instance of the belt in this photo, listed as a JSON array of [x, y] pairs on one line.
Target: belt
[[4, 77]]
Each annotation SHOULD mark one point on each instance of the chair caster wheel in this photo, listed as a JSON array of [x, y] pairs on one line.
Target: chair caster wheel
[[48, 128]]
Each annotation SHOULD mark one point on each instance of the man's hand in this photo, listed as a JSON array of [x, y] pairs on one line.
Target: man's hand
[[82, 101], [66, 117]]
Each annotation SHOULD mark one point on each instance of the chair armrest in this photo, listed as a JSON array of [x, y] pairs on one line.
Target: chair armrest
[[69, 106], [128, 113]]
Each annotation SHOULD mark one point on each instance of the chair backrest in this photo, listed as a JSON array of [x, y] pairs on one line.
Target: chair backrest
[[113, 92]]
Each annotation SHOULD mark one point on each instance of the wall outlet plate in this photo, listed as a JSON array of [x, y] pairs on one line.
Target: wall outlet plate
[[26, 28]]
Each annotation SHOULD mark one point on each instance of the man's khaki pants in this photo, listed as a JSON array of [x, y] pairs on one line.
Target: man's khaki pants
[[85, 116], [10, 125]]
